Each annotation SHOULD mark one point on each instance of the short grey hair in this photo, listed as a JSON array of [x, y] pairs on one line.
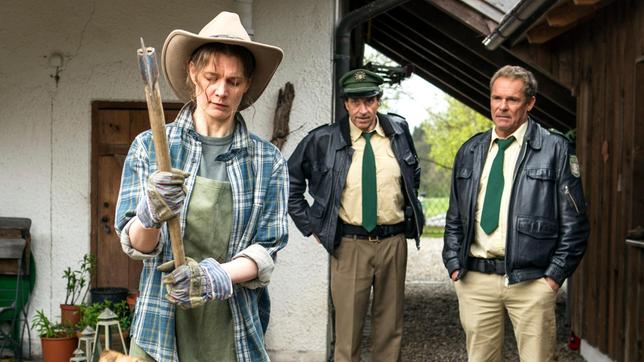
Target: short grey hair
[[517, 72]]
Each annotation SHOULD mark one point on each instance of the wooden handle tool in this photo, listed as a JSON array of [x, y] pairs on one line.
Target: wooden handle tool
[[150, 73]]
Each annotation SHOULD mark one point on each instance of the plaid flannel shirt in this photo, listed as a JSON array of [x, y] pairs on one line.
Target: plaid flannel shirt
[[259, 180]]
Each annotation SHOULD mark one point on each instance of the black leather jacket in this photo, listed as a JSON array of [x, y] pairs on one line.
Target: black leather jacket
[[547, 224], [323, 158]]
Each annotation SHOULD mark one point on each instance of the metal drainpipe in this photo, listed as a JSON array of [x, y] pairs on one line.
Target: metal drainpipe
[[245, 10], [521, 16], [343, 41]]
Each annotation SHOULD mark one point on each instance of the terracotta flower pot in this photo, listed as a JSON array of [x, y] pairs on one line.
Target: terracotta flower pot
[[131, 299], [70, 315], [58, 349]]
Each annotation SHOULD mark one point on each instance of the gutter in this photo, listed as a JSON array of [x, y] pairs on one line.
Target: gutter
[[245, 10], [517, 21], [343, 42]]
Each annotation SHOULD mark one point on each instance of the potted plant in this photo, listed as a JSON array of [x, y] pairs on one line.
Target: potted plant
[[91, 312], [77, 285], [58, 340]]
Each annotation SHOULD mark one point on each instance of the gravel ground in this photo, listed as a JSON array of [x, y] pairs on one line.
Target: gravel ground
[[432, 330]]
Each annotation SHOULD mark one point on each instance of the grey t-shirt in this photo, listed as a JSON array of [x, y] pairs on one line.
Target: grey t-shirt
[[211, 147]]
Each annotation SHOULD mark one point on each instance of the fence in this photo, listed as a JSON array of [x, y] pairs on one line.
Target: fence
[[434, 197]]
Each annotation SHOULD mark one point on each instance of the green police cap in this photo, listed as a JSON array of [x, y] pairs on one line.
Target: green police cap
[[361, 83]]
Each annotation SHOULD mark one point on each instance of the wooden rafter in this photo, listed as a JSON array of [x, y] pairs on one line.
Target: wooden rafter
[[467, 15], [569, 13], [586, 2], [563, 18], [542, 32]]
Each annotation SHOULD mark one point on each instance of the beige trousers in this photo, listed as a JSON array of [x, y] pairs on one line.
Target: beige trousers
[[482, 299], [357, 266]]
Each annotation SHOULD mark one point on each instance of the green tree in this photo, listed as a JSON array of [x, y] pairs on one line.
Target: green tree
[[445, 132], [433, 182]]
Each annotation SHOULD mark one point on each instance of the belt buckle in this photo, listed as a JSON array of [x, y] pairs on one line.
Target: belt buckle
[[499, 268], [490, 266], [373, 238]]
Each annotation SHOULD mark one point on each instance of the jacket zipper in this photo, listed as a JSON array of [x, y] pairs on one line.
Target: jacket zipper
[[519, 165], [346, 161], [574, 204]]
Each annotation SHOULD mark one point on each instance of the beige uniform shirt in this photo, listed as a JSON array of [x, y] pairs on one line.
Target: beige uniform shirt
[[388, 178], [493, 245]]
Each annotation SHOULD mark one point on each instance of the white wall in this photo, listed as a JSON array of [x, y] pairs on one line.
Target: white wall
[[299, 288], [45, 128]]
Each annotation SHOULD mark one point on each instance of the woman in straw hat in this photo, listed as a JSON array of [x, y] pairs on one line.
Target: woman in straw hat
[[230, 190]]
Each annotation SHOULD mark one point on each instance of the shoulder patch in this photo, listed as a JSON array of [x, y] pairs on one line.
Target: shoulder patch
[[555, 131], [574, 165], [569, 136]]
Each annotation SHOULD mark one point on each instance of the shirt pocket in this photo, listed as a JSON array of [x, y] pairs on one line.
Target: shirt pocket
[[388, 165]]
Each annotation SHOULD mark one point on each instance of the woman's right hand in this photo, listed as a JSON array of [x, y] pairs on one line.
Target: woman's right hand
[[164, 198]]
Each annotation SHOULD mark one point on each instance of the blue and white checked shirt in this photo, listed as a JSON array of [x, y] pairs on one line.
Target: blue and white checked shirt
[[259, 180]]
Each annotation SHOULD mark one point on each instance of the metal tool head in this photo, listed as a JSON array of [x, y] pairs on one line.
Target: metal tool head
[[148, 65]]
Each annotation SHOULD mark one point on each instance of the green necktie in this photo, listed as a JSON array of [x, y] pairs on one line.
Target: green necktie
[[494, 189], [369, 195]]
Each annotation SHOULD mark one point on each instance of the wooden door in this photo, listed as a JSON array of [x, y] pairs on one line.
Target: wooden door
[[633, 335], [114, 126]]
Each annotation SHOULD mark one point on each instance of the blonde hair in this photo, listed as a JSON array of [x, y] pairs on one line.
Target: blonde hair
[[520, 73], [204, 54]]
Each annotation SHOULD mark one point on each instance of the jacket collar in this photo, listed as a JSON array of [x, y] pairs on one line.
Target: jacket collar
[[356, 132], [388, 126], [533, 137]]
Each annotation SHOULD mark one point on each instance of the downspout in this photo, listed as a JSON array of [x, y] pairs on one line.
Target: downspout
[[343, 41], [520, 18], [245, 10]]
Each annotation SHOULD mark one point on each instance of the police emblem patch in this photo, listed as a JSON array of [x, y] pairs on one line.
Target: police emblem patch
[[360, 75], [574, 166]]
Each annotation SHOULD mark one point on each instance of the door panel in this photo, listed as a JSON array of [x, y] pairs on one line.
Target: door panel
[[110, 258], [114, 127]]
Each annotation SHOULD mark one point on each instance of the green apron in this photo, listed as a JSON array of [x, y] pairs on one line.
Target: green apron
[[205, 333]]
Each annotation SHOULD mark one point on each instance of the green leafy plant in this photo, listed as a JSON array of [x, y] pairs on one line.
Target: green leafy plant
[[91, 312], [47, 329], [77, 281]]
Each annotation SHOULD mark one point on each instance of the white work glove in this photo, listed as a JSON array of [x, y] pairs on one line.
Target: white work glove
[[193, 284], [164, 198]]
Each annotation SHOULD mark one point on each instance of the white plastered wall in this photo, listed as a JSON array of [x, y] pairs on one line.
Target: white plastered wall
[[299, 289], [45, 129]]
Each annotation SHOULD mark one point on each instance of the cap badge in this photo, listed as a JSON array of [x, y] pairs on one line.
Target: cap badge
[[360, 75]]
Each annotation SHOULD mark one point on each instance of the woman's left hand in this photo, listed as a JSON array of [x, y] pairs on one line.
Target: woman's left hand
[[193, 284]]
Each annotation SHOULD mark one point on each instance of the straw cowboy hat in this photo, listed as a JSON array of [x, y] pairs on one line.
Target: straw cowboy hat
[[224, 28]]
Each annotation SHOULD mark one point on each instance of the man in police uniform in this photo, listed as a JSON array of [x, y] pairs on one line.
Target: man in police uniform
[[516, 227], [363, 175]]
